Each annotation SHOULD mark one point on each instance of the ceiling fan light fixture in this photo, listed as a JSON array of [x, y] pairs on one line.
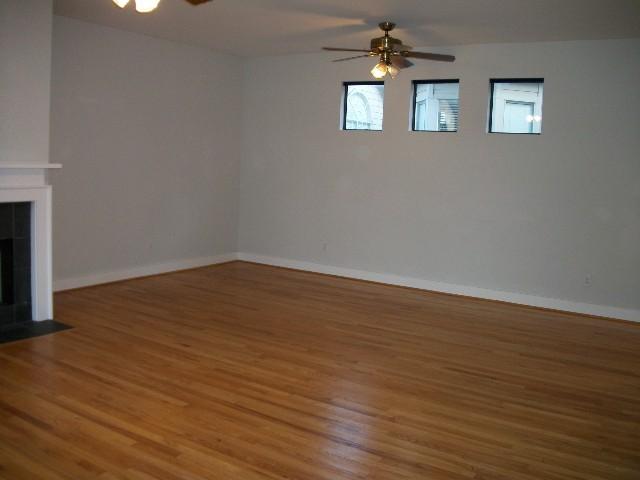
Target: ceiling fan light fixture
[[146, 6], [121, 3], [380, 70], [392, 52]]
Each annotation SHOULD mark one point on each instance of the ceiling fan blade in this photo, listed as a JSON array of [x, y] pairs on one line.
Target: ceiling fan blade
[[429, 56], [402, 48], [401, 62], [350, 58], [333, 49], [198, 2]]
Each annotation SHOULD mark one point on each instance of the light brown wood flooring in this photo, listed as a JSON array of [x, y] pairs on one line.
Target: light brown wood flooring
[[247, 372]]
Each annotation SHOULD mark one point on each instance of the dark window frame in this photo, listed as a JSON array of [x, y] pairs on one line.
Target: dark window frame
[[415, 84], [492, 83], [345, 94]]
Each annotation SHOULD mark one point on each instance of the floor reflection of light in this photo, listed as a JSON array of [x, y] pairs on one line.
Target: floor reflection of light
[[349, 434]]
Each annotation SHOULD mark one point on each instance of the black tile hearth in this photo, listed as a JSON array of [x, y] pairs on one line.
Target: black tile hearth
[[25, 330]]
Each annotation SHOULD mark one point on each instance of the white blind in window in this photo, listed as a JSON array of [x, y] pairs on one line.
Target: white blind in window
[[448, 115]]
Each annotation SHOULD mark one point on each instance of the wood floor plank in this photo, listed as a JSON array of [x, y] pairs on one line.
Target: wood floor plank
[[248, 372]]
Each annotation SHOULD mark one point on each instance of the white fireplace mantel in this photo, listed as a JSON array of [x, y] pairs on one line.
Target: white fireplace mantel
[[25, 174], [28, 182]]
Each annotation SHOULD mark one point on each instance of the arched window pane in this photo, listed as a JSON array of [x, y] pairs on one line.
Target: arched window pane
[[363, 106]]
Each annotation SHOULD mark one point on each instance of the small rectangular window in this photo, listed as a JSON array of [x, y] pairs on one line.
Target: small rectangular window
[[363, 105], [436, 105], [516, 106]]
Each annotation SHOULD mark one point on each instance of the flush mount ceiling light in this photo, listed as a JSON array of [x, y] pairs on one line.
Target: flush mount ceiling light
[[145, 6], [391, 52]]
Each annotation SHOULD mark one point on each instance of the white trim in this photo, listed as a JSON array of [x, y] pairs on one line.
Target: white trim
[[511, 297], [25, 175], [142, 271], [391, 279], [29, 166]]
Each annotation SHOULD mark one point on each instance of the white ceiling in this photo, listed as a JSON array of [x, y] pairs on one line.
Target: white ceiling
[[274, 27]]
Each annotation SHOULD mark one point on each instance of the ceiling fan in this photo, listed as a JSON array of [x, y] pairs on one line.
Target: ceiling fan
[[144, 6], [392, 52]]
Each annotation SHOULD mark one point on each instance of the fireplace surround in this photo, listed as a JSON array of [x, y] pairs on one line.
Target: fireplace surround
[[25, 196]]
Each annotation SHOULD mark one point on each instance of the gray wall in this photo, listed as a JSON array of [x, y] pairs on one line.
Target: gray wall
[[152, 133], [148, 132], [25, 75], [529, 214]]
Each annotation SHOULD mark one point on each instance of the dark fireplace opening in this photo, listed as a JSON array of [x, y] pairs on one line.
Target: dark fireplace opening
[[15, 263], [6, 272]]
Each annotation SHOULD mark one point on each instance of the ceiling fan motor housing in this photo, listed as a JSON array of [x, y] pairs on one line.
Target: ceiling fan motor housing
[[386, 43]]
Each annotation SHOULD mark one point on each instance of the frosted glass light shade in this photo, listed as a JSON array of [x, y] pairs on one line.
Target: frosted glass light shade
[[145, 6], [121, 3], [380, 70]]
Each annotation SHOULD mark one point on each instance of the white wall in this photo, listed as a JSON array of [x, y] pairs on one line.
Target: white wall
[[148, 132], [528, 214], [25, 73]]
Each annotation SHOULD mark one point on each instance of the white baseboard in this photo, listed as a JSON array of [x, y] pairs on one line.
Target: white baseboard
[[511, 297], [114, 276]]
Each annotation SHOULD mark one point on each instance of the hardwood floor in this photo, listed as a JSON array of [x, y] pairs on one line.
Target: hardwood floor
[[248, 372]]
